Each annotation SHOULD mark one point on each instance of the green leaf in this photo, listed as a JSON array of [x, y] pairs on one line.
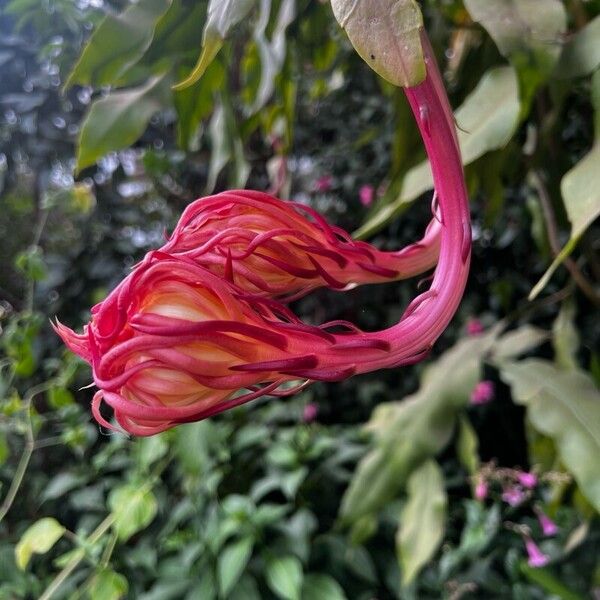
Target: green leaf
[[409, 432], [117, 44], [387, 36], [222, 16], [133, 507], [4, 449], [284, 577], [232, 562], [467, 446], [108, 585], [37, 539], [322, 587], [422, 521], [565, 406], [517, 342], [581, 55], [487, 120], [117, 121], [565, 337], [579, 189]]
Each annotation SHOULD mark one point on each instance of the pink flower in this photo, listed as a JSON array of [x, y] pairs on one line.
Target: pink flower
[[474, 327], [549, 527], [483, 392], [310, 412], [285, 249], [527, 480], [536, 558], [481, 489], [513, 496], [323, 184], [185, 336], [366, 195]]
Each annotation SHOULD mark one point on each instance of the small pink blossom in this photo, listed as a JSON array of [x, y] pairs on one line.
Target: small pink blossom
[[481, 490], [310, 412], [323, 184], [527, 480], [513, 496], [549, 527], [536, 558], [483, 392], [474, 327], [366, 195]]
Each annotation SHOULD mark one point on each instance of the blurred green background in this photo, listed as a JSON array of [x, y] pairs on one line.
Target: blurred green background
[[446, 488]]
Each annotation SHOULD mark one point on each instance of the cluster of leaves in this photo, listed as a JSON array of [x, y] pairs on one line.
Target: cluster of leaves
[[260, 503]]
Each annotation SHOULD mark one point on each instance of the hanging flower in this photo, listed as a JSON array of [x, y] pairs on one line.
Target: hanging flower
[[324, 183], [310, 412], [481, 489], [178, 342], [285, 249], [474, 327], [549, 527], [527, 480], [513, 495], [535, 557]]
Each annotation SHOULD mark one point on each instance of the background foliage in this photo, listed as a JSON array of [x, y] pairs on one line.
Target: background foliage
[[271, 501]]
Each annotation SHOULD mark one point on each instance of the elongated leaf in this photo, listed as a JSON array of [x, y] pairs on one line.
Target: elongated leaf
[[565, 337], [37, 539], [387, 36], [487, 120], [284, 576], [222, 16], [409, 432], [564, 405], [134, 508], [232, 562], [322, 587], [117, 121], [423, 520], [117, 44], [581, 55]]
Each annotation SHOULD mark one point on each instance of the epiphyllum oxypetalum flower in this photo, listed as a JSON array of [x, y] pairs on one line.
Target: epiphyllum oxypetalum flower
[[285, 249], [177, 342]]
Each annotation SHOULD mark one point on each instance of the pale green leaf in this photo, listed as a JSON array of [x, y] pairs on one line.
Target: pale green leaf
[[117, 121], [108, 585], [409, 432], [579, 188], [565, 337], [581, 55], [517, 342], [487, 120], [322, 587], [222, 16], [422, 521], [117, 44], [232, 562], [524, 30], [134, 507], [284, 577], [37, 539], [565, 406], [467, 446], [387, 36]]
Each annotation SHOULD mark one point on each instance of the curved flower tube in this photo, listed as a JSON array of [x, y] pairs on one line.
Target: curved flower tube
[[176, 342], [285, 249]]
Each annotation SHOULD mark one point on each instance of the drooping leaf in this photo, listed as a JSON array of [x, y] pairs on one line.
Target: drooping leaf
[[284, 577], [565, 337], [387, 36], [467, 446], [222, 16], [321, 587], [232, 562], [117, 44], [487, 120], [117, 121], [422, 521], [581, 55], [37, 539], [409, 432], [579, 188], [134, 507], [108, 585], [564, 405]]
